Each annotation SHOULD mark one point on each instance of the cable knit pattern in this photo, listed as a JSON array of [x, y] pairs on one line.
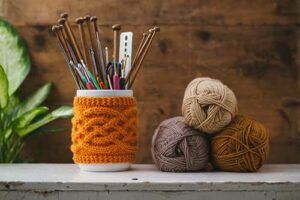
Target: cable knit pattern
[[104, 129]]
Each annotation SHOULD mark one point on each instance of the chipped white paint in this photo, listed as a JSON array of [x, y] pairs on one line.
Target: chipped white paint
[[66, 181]]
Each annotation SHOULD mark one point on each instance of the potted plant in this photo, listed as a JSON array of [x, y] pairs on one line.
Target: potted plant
[[20, 119]]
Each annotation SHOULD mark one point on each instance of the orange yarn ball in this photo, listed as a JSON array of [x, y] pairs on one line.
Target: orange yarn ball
[[243, 146]]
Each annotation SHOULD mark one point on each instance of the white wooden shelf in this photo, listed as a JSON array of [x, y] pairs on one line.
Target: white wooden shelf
[[66, 181]]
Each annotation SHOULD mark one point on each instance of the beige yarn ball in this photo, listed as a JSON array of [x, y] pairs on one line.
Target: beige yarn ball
[[208, 105]]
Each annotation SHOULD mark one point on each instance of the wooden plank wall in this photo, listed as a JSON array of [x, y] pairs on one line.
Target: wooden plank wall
[[251, 45]]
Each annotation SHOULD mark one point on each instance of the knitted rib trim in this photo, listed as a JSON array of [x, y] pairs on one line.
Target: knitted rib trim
[[103, 159], [105, 101]]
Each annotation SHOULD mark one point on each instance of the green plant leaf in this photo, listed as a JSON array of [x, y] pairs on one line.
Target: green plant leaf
[[14, 56], [7, 133], [43, 130], [61, 112], [26, 118], [13, 102], [35, 99], [3, 88]]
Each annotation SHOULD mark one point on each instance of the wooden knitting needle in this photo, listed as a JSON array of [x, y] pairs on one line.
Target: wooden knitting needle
[[64, 50], [134, 65], [72, 57], [116, 29], [67, 44], [145, 44], [92, 40], [146, 49], [139, 48], [65, 33], [64, 21], [64, 15], [154, 31], [79, 21], [57, 29], [93, 21]]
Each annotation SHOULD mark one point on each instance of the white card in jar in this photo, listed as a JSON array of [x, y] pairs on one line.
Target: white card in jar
[[126, 49]]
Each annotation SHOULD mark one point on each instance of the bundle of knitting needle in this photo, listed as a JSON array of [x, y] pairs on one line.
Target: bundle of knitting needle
[[90, 66]]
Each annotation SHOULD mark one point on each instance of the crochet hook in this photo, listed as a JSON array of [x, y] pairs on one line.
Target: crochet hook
[[94, 81], [85, 78], [98, 42], [81, 74], [94, 64], [92, 54], [122, 78], [116, 29], [116, 80], [90, 80], [106, 56], [109, 82], [81, 63], [99, 49]]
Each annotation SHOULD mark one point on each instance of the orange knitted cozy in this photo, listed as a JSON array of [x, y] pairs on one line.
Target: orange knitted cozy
[[104, 129]]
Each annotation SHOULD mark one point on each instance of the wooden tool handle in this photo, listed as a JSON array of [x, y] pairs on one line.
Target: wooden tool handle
[[79, 21], [94, 19], [116, 29], [64, 15]]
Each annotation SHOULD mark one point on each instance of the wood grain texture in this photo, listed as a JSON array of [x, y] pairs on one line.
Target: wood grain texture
[[252, 46], [2, 11], [226, 12]]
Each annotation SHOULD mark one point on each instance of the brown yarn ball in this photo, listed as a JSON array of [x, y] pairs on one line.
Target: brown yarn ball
[[243, 146], [177, 147], [208, 105]]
